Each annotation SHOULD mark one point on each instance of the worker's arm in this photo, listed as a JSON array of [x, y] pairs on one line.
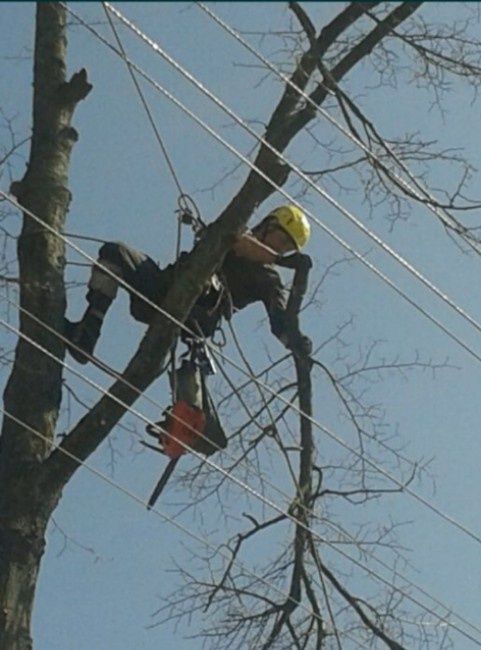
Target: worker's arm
[[283, 326], [252, 249], [302, 264]]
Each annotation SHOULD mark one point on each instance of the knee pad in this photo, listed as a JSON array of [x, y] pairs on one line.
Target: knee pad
[[103, 282]]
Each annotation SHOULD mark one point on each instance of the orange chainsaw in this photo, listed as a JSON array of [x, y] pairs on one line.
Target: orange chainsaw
[[191, 423]]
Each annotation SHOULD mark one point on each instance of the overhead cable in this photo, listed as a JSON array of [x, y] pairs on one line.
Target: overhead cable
[[346, 213], [330, 232], [309, 511], [245, 486], [139, 500], [308, 213], [276, 394], [328, 432], [432, 204]]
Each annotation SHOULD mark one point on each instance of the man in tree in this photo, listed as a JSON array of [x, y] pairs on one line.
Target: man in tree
[[247, 276]]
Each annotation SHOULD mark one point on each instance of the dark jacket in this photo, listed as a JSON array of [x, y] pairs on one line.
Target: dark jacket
[[244, 283]]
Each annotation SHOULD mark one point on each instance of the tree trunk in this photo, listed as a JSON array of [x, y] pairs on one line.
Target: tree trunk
[[25, 507], [22, 541]]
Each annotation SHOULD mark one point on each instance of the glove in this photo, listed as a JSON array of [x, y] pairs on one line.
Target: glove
[[297, 261], [301, 345]]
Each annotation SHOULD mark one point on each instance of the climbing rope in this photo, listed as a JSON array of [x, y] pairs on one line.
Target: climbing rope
[[144, 102], [187, 212]]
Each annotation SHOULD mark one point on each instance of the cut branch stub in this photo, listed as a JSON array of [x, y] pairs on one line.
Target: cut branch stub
[[73, 91]]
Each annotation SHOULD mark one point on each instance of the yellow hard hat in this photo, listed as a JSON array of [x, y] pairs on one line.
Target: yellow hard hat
[[294, 222]]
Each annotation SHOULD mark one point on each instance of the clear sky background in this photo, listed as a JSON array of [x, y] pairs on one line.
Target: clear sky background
[[100, 589]]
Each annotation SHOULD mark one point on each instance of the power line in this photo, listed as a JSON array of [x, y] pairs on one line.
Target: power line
[[332, 234], [346, 213], [221, 470], [276, 394], [245, 486], [102, 365], [432, 204], [155, 510], [324, 227]]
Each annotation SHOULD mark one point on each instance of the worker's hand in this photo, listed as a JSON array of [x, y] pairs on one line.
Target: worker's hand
[[297, 261], [301, 345]]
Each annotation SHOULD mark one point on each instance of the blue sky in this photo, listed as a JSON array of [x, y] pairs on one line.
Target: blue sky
[[104, 597]]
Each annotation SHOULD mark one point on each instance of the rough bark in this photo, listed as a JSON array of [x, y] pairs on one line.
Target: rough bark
[[33, 391]]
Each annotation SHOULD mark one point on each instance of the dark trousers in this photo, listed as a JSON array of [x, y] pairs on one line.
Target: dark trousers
[[137, 270], [143, 275]]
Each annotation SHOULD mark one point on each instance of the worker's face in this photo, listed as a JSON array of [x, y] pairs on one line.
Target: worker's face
[[277, 239]]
